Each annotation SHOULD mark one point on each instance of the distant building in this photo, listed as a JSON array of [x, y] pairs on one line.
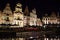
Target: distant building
[[52, 19], [45, 19]]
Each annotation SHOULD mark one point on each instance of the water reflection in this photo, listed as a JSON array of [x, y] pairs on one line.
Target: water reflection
[[29, 36], [29, 39]]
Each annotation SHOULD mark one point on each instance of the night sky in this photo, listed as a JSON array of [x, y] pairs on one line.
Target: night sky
[[42, 6]]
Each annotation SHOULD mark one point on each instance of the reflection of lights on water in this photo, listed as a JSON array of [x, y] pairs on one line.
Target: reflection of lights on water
[[58, 39], [51, 39], [58, 26], [46, 39], [31, 37], [44, 26]]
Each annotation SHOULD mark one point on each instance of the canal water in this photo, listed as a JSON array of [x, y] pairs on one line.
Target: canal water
[[26, 36]]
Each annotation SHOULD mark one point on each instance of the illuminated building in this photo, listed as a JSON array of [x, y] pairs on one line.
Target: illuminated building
[[33, 17], [1, 21], [45, 19], [26, 18], [39, 23], [18, 15], [52, 19], [7, 15], [58, 18]]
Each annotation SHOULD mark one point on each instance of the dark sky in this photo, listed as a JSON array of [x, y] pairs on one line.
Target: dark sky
[[42, 6]]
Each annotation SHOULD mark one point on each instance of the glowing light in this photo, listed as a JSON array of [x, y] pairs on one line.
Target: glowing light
[[31, 37]]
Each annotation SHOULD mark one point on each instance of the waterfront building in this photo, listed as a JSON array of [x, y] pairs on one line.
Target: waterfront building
[[33, 17], [18, 18], [18, 15], [7, 16]]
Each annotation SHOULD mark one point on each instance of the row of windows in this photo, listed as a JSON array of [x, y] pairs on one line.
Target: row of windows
[[49, 19]]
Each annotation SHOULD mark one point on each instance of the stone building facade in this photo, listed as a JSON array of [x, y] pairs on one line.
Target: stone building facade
[[21, 19]]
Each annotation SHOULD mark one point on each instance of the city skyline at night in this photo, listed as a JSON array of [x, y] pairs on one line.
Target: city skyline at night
[[29, 20], [18, 18], [42, 6]]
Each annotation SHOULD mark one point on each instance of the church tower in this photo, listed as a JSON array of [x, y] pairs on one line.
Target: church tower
[[18, 15], [7, 14]]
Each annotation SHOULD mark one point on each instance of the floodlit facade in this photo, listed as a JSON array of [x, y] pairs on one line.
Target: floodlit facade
[[6, 15], [39, 23], [33, 18], [1, 21], [20, 38], [18, 15], [18, 18], [25, 20], [52, 19]]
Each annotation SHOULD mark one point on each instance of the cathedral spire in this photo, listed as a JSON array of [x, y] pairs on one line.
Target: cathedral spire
[[26, 11]]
